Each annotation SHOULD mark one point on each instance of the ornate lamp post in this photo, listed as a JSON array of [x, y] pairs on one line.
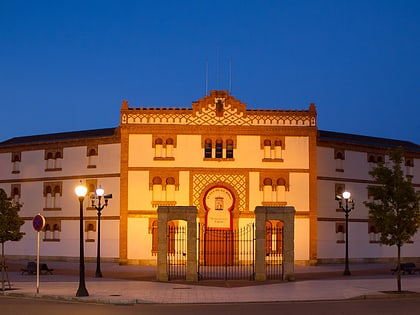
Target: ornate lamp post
[[346, 196], [99, 194], [81, 291]]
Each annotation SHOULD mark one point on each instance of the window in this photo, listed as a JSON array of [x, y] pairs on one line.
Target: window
[[52, 230], [267, 149], [16, 163], [277, 150], [281, 189], [374, 158], [338, 191], [90, 230], [91, 186], [339, 160], [229, 149], [164, 148], [340, 230], [92, 154], [157, 189], [169, 147], [274, 187], [219, 149], [170, 189], [158, 147], [163, 190], [409, 166], [52, 196], [273, 149], [53, 160], [374, 235], [268, 190], [208, 149], [15, 193], [223, 148]]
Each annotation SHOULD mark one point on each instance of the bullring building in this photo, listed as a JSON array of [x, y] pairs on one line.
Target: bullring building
[[217, 157]]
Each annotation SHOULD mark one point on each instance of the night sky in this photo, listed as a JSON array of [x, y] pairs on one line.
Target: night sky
[[67, 65]]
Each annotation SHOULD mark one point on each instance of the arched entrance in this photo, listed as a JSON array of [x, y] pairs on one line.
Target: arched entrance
[[217, 232], [167, 240], [285, 215]]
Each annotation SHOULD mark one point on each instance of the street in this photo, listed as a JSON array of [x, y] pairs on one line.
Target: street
[[406, 306]]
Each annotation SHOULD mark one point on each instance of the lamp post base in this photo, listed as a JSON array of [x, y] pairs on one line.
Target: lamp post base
[[82, 291]]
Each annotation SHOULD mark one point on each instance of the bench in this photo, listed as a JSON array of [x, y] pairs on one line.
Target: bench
[[31, 269], [409, 268]]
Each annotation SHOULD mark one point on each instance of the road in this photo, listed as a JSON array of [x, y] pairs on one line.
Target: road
[[24, 306]]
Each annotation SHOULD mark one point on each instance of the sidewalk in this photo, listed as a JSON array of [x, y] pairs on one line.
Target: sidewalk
[[136, 284]]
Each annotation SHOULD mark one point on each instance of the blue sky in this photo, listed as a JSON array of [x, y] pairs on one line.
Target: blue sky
[[67, 65]]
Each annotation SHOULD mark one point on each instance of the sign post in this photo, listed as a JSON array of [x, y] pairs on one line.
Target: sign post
[[38, 222]]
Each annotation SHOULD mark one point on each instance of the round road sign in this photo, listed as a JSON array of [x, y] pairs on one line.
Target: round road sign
[[38, 222]]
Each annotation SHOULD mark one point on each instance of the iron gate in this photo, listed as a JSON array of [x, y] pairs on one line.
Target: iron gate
[[177, 252], [274, 252], [226, 254]]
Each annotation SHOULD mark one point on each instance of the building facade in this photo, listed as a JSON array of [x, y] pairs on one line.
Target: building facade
[[217, 156]]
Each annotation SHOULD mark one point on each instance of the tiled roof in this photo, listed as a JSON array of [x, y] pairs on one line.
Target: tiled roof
[[62, 136], [367, 141], [109, 132]]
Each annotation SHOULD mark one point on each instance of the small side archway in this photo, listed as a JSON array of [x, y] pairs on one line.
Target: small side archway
[[170, 213], [287, 216]]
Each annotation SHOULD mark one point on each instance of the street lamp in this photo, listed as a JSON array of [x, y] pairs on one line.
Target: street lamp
[[81, 291], [99, 194], [346, 196]]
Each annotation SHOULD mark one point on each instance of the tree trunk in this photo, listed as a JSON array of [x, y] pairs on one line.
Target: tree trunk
[[3, 263], [399, 268]]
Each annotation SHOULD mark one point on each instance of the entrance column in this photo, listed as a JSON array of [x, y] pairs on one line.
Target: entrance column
[[287, 215]]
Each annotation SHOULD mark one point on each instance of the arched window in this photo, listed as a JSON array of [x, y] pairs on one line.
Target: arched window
[[409, 166], [15, 194], [340, 232], [47, 232], [208, 149], [57, 197], [170, 189], [56, 232], [48, 197], [219, 149], [50, 160], [90, 231], [16, 163], [281, 189], [158, 147], [267, 149], [169, 147], [229, 149], [267, 189], [278, 149], [92, 158], [157, 189]]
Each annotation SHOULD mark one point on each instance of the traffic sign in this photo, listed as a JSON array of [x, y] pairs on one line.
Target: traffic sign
[[38, 222]]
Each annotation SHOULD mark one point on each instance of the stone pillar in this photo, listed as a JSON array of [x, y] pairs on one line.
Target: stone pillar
[[287, 215], [162, 260]]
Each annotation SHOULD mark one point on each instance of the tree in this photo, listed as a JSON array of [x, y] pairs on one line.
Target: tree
[[10, 224], [394, 207]]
